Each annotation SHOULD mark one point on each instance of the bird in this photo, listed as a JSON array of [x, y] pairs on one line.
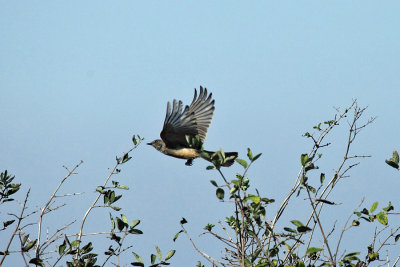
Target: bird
[[190, 123]]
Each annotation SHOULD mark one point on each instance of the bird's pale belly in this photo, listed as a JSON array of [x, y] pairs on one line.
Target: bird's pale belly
[[182, 153]]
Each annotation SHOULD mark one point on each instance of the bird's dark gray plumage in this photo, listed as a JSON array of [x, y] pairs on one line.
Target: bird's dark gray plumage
[[191, 121]]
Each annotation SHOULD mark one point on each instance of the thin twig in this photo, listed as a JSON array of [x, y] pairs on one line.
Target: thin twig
[[16, 228], [112, 172], [47, 205], [208, 258]]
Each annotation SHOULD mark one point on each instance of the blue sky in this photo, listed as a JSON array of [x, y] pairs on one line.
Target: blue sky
[[77, 79]]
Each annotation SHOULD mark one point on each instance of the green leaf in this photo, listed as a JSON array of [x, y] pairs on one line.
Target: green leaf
[[37, 262], [389, 207], [382, 218], [176, 235], [115, 208], [289, 229], [242, 162], [392, 164], [120, 224], [297, 223], [352, 254], [134, 223], [313, 250], [396, 238], [209, 227], [255, 199], [112, 221], [7, 223], [137, 264], [123, 187], [325, 201], [159, 255], [138, 258], [214, 183], [304, 159], [87, 248], [303, 229], [125, 158], [169, 255], [220, 193], [318, 127], [256, 157], [124, 219], [134, 140], [373, 207], [29, 246], [210, 167], [153, 258], [62, 248], [322, 178], [300, 264], [355, 223], [25, 239], [395, 157], [310, 166], [75, 243], [373, 256], [112, 197], [365, 211], [233, 190], [249, 154], [135, 231]]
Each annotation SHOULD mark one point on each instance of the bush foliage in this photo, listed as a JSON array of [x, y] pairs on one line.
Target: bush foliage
[[250, 236]]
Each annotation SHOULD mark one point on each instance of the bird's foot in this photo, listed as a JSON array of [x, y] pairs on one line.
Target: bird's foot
[[189, 162]]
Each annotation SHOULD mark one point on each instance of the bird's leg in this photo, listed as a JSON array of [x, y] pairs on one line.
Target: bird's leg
[[189, 162]]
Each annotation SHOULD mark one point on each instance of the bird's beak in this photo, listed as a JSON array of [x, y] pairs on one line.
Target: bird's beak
[[149, 144]]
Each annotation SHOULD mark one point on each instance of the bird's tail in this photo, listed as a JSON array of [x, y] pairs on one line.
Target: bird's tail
[[227, 158]]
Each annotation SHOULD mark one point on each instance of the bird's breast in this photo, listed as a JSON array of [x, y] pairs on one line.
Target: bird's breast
[[182, 153]]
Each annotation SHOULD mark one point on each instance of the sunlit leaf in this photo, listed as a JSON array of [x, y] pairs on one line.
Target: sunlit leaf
[[255, 199], [124, 219], [297, 223], [29, 245], [241, 162], [382, 218], [134, 223], [159, 255], [249, 154], [138, 258], [373, 207], [169, 255], [313, 250], [176, 235]]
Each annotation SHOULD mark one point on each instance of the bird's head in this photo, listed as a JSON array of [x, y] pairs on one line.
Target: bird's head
[[157, 144]]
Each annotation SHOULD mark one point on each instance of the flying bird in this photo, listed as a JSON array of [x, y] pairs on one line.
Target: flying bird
[[181, 125]]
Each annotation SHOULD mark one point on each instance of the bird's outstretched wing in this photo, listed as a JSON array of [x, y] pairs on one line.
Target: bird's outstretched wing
[[193, 120]]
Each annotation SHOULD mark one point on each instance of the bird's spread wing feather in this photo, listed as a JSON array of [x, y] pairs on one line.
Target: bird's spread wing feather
[[192, 120]]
